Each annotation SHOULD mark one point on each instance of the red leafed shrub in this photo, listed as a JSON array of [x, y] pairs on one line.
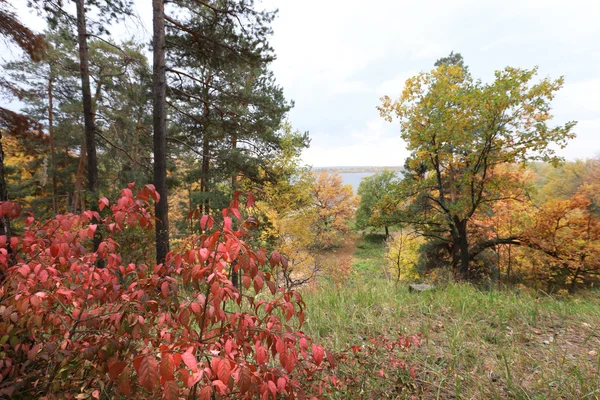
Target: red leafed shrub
[[70, 329], [383, 372]]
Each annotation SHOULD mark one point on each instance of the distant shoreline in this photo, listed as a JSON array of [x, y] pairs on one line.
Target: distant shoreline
[[349, 170]]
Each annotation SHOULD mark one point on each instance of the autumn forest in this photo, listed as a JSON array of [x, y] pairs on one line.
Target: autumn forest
[[161, 235]]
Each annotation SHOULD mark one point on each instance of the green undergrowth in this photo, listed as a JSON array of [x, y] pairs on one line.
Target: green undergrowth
[[498, 344]]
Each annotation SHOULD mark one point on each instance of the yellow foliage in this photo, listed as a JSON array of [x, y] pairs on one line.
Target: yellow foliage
[[403, 251], [335, 204]]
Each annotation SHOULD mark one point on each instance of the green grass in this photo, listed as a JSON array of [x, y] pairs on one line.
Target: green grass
[[369, 255], [499, 344]]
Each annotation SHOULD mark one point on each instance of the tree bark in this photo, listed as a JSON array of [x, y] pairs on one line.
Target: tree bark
[[573, 284], [79, 179], [4, 221], [88, 117], [234, 274], [51, 134], [159, 95], [205, 207], [463, 249]]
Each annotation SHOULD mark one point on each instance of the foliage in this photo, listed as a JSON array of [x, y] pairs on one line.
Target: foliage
[[402, 253], [227, 106], [335, 204], [460, 132], [49, 90], [568, 235], [70, 328], [289, 235], [375, 191]]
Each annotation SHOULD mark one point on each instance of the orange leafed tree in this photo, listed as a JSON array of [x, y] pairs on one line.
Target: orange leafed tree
[[568, 234], [336, 204]]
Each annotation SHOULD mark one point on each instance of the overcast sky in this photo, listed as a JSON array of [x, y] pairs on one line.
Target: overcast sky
[[336, 58]]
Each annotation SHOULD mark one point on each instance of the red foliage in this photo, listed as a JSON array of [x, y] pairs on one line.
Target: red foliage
[[181, 329]]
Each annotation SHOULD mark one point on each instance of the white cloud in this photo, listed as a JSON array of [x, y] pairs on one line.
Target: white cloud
[[377, 143], [337, 57]]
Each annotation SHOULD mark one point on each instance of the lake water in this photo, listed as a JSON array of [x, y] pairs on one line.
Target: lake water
[[354, 178]]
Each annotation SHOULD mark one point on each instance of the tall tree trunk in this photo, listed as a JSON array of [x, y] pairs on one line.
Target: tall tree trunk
[[235, 279], [4, 221], [52, 144], [387, 232], [234, 173], [79, 179], [205, 208], [573, 284], [159, 95], [88, 116], [463, 249]]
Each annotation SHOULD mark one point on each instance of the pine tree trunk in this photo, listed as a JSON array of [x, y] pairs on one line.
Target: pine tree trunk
[[4, 221], [88, 116], [52, 144], [159, 95], [79, 180], [234, 274], [205, 161], [205, 207]]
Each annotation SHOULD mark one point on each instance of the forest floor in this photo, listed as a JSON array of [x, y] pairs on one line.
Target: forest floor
[[475, 344]]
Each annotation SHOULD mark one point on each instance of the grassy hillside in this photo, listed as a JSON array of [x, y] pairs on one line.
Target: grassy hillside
[[475, 344]]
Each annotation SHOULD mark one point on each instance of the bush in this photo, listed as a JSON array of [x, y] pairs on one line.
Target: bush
[[72, 329], [402, 253]]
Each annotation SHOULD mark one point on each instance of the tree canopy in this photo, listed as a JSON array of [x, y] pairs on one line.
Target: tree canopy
[[460, 133]]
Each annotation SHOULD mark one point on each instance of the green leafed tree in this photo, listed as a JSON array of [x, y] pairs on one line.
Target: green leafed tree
[[375, 193], [460, 133], [226, 104]]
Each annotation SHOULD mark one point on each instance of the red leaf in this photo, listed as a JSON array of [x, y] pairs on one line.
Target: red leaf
[[170, 390], [206, 393], [153, 193], [250, 201], [167, 367], [244, 379], [275, 259], [164, 288], [224, 371], [258, 283], [330, 358], [261, 355], [246, 281], [206, 222], [91, 230], [190, 361], [318, 353], [272, 388], [281, 382], [303, 344], [272, 287], [102, 202], [115, 369], [124, 386], [148, 373], [221, 388], [54, 250], [196, 308]]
